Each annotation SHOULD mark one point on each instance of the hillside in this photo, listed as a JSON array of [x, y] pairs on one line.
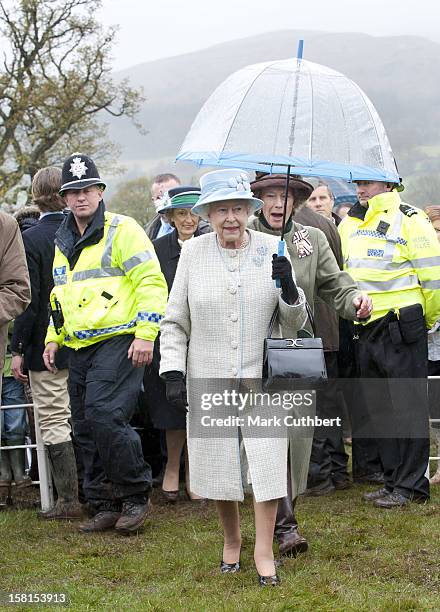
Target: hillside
[[397, 73]]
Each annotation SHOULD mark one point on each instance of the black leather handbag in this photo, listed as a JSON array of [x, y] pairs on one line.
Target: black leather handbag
[[293, 363]]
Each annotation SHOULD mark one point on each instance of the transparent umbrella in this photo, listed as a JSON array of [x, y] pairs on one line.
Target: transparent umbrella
[[292, 113]]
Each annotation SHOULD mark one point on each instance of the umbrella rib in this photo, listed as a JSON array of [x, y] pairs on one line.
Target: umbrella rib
[[243, 99], [312, 115], [279, 119], [374, 123], [295, 108], [344, 116]]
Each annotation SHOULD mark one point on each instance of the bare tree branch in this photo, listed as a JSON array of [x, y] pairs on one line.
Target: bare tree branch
[[55, 80]]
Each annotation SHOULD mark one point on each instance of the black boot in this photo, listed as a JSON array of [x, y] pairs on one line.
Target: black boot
[[63, 467], [290, 541], [16, 460]]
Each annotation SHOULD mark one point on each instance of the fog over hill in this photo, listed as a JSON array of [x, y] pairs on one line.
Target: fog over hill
[[398, 74]]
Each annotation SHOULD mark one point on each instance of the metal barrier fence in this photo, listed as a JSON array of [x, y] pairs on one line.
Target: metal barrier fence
[[44, 475]]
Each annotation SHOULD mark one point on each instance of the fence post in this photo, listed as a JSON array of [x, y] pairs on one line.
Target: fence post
[[46, 489]]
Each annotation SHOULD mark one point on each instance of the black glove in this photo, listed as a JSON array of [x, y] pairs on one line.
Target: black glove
[[282, 270], [175, 389]]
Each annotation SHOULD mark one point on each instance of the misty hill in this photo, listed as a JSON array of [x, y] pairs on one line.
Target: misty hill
[[397, 73]]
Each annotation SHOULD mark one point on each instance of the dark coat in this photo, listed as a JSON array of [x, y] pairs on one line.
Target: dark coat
[[168, 252], [31, 326], [153, 226], [164, 416]]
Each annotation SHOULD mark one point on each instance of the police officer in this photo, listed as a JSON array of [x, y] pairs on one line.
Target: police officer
[[392, 252], [108, 299]]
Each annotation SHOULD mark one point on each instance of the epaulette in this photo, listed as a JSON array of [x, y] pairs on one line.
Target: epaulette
[[409, 211]]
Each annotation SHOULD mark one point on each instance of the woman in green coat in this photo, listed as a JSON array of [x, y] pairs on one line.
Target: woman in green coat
[[318, 274]]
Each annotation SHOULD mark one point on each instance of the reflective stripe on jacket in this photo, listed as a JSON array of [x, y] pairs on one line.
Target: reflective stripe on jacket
[[392, 251], [115, 288]]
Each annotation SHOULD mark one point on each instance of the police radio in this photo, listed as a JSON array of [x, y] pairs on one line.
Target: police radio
[[56, 312]]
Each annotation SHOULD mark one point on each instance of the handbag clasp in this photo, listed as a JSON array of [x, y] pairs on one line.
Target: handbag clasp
[[296, 342]]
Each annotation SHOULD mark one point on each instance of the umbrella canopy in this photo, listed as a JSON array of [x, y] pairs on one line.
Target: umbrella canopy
[[342, 190], [292, 112]]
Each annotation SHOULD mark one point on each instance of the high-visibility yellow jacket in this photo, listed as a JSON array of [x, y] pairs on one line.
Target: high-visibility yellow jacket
[[392, 251], [116, 287]]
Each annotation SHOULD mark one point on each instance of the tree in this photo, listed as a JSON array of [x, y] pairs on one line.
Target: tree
[[133, 198], [54, 80]]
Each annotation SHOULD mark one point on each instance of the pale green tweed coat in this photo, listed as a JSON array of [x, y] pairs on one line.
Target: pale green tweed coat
[[318, 274], [214, 328]]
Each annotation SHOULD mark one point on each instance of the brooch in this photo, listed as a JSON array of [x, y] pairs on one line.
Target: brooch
[[261, 254], [302, 242]]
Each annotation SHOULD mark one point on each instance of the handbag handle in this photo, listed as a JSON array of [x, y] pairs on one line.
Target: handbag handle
[[275, 314]]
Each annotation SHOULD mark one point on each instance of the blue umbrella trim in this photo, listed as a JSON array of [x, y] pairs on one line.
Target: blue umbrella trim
[[278, 164]]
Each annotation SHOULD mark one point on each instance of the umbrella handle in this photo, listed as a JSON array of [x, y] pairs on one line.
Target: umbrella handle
[[281, 247]]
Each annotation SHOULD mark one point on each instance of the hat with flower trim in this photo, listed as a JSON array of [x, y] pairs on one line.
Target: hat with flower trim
[[222, 186], [179, 197]]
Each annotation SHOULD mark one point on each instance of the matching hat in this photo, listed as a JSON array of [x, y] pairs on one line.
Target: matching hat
[[224, 185], [79, 171], [179, 197], [301, 189]]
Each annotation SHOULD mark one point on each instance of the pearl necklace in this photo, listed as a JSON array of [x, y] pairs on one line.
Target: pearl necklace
[[243, 244]]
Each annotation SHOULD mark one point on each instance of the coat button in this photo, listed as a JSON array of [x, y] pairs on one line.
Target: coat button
[[234, 371], [233, 316], [232, 253], [234, 344], [232, 289], [232, 268]]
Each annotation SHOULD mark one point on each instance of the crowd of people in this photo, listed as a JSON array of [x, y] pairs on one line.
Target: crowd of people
[[106, 319]]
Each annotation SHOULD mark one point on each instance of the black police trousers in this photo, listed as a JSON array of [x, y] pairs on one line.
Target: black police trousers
[[397, 403], [328, 459], [365, 457], [104, 388]]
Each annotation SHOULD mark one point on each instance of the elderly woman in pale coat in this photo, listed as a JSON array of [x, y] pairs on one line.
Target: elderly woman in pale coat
[[215, 329]]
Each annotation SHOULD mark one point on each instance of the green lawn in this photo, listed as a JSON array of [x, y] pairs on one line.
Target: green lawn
[[360, 558]]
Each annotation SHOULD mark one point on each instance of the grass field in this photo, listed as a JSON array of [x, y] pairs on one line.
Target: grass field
[[360, 558]]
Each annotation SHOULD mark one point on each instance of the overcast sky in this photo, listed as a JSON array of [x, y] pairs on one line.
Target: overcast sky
[[151, 29]]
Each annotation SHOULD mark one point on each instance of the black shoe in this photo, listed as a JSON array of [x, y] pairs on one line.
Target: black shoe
[[132, 517], [268, 580], [229, 568], [392, 500], [170, 497], [373, 495]]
